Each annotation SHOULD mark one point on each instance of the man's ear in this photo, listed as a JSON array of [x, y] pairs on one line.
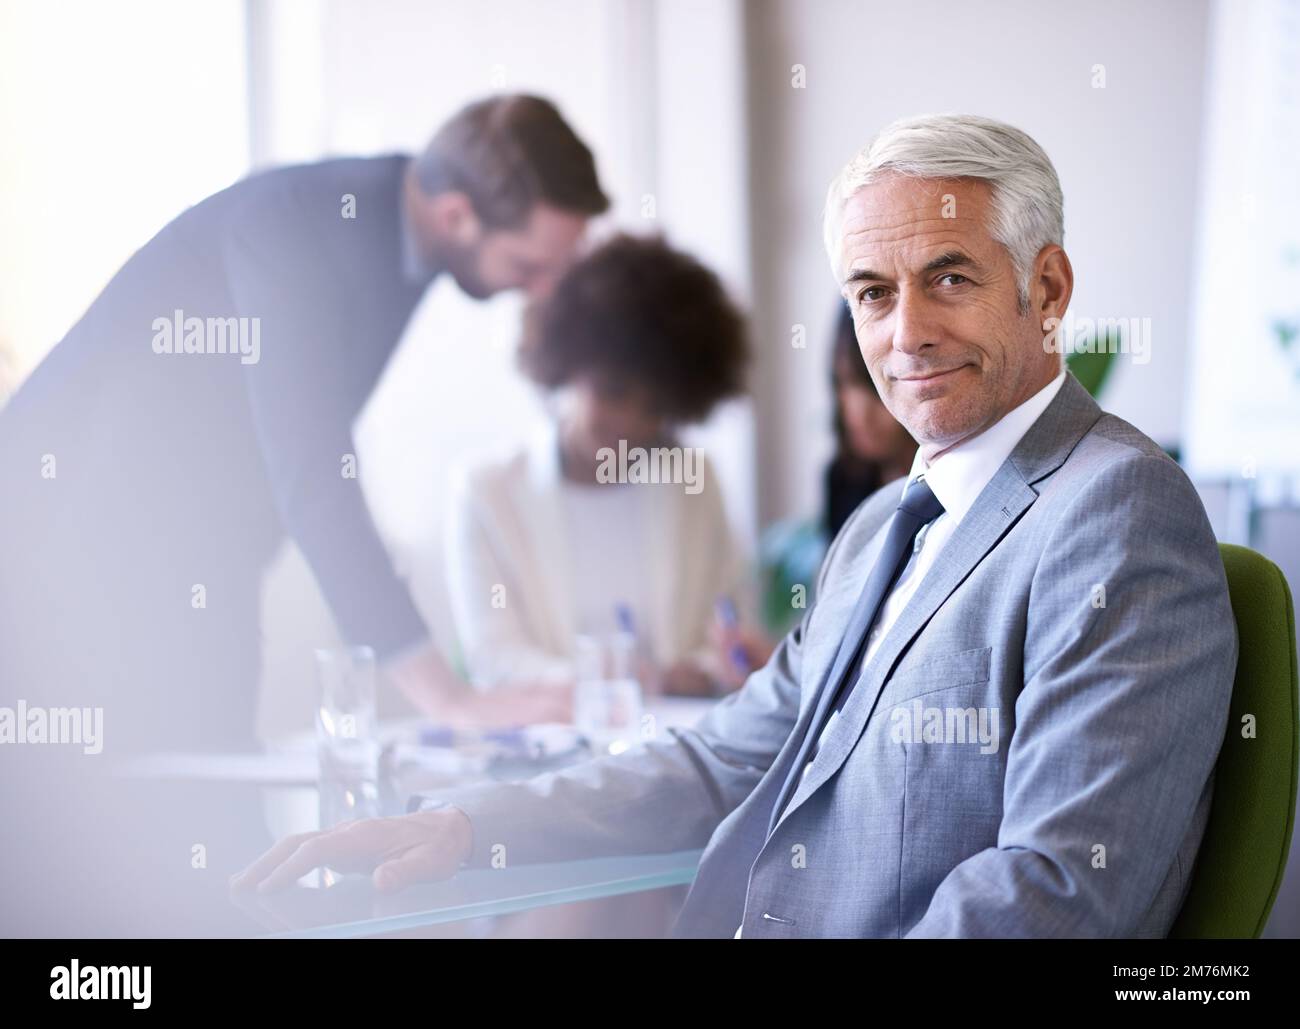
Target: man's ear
[[453, 218], [1053, 282]]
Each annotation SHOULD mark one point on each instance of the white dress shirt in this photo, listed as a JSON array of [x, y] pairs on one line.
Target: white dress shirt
[[957, 477]]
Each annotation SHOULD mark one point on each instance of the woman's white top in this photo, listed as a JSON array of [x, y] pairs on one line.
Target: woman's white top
[[533, 561]]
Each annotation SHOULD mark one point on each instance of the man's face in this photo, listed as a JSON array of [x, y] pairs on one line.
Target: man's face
[[935, 308], [530, 258]]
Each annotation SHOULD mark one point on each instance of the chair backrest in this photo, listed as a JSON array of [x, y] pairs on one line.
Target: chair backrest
[[1243, 855]]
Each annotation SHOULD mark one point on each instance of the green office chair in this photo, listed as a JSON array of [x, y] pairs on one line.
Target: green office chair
[[1243, 855]]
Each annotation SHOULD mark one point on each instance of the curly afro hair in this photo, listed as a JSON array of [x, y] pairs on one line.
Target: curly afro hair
[[637, 313]]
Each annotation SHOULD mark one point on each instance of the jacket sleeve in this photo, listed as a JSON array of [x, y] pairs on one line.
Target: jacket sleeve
[[301, 398], [1129, 655]]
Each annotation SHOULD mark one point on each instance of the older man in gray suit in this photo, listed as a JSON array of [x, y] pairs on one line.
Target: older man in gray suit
[[1001, 715]]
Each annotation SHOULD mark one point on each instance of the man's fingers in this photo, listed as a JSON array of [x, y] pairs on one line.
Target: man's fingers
[[400, 846], [426, 862], [350, 847], [312, 853], [268, 862]]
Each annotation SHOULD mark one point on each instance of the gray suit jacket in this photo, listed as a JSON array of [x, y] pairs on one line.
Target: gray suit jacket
[[1030, 751]]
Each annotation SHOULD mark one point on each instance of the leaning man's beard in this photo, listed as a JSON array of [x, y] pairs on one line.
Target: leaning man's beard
[[464, 271]]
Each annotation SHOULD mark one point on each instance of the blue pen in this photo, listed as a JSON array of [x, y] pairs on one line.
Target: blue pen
[[623, 616], [446, 736], [730, 621]]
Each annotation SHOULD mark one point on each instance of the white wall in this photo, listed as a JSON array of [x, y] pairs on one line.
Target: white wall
[[1244, 385], [113, 119]]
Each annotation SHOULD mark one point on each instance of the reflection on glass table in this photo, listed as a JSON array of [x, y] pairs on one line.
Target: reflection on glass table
[[351, 907]]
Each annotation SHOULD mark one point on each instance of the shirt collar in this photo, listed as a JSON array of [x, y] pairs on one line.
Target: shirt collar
[[959, 475], [416, 268]]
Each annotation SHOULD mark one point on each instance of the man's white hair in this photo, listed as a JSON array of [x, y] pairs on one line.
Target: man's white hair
[[1028, 210]]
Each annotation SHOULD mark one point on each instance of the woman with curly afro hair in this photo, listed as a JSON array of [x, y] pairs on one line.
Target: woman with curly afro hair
[[574, 534]]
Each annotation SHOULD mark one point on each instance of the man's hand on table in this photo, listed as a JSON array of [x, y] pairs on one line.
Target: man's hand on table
[[424, 678], [510, 705], [436, 691], [425, 846]]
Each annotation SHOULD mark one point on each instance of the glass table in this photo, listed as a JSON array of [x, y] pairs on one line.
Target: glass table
[[280, 785]]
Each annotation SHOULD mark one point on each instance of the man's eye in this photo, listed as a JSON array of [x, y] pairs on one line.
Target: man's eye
[[953, 275], [871, 293]]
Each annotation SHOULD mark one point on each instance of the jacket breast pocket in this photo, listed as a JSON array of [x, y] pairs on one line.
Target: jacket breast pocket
[[930, 675]]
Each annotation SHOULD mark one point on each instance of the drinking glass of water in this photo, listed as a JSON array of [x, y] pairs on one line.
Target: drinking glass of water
[[347, 742], [607, 696]]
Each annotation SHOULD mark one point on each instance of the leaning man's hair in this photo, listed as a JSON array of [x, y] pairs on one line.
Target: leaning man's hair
[[507, 153]]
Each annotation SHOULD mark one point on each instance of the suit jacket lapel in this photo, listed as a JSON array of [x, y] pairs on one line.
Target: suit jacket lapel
[[847, 651], [1008, 495]]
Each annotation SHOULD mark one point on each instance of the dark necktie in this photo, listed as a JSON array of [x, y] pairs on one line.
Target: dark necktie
[[919, 507]]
